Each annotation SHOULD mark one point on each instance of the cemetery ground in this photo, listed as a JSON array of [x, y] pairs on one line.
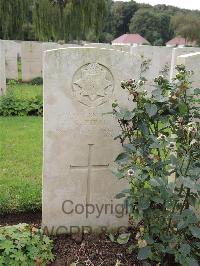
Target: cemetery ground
[[21, 190]]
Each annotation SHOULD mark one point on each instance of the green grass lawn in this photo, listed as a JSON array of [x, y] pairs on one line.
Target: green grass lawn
[[24, 90], [20, 163]]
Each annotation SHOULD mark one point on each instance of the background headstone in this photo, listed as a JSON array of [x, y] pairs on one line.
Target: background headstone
[[12, 51], [50, 45], [177, 52], [2, 69], [158, 59], [80, 85], [125, 48], [68, 45], [31, 60], [192, 62]]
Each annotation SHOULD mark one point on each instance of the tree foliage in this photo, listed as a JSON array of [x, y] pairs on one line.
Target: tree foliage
[[51, 19], [94, 20], [121, 14], [68, 20], [13, 15], [151, 25], [187, 26]]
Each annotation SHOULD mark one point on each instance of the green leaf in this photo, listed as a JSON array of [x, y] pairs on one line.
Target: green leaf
[[120, 195], [195, 231], [116, 172], [121, 157], [144, 253], [192, 262], [157, 94], [158, 200], [143, 127], [128, 115], [123, 238], [143, 203], [112, 238], [151, 109], [138, 217], [196, 91], [7, 246], [125, 114], [129, 147], [185, 249], [154, 182], [189, 183], [183, 108], [130, 249], [182, 224]]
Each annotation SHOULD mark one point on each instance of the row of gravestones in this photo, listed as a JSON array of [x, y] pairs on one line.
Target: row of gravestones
[[31, 54], [153, 59], [80, 85]]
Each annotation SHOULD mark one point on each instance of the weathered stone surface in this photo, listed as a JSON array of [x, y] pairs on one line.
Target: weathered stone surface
[[68, 45], [2, 69], [80, 85], [177, 52], [12, 51], [50, 46], [99, 45], [31, 60], [125, 48], [192, 62], [158, 59]]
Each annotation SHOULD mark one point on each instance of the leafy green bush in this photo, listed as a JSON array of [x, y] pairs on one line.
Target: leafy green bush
[[10, 105], [37, 81], [161, 141], [11, 82], [22, 245]]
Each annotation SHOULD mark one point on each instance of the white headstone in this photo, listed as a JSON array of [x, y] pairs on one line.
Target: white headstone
[[125, 48], [12, 49], [31, 60], [2, 69], [68, 45], [50, 46], [158, 59], [192, 62], [99, 45], [80, 85], [177, 52]]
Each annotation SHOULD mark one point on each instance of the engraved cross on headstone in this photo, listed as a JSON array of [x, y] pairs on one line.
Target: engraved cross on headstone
[[89, 168]]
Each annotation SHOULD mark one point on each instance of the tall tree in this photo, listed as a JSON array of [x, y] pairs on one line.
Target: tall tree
[[61, 5], [13, 15], [121, 14], [68, 19], [187, 25], [152, 23], [166, 30], [146, 23]]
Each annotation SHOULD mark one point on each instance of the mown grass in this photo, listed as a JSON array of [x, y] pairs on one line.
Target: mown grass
[[24, 90], [20, 161]]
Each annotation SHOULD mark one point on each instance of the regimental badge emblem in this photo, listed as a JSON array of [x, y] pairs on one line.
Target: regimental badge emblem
[[93, 84]]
